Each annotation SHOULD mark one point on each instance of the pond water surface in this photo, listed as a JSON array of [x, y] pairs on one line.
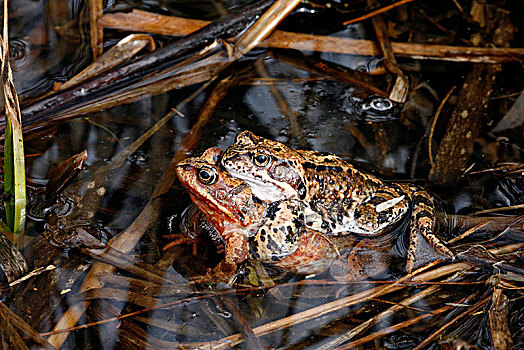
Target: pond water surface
[[274, 95]]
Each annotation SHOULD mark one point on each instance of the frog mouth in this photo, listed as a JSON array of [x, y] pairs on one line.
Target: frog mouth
[[266, 191]]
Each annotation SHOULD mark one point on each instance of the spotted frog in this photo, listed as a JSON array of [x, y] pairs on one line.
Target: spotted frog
[[337, 198], [269, 232]]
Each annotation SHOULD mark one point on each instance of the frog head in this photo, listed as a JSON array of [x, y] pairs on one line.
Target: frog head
[[272, 170], [227, 203]]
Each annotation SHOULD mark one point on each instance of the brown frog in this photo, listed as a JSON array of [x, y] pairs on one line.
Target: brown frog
[[338, 198], [269, 232]]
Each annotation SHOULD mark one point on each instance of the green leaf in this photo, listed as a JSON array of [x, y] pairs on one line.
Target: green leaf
[[14, 177]]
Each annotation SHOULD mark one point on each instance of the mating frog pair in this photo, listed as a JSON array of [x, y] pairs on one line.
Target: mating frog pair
[[269, 232], [337, 199]]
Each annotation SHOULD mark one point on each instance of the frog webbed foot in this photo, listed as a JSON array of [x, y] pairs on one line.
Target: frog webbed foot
[[224, 272]]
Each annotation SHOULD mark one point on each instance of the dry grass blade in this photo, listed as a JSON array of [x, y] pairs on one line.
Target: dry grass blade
[[143, 21], [451, 322], [406, 324], [503, 167], [123, 50], [13, 320], [378, 318], [492, 210], [264, 26], [468, 232], [434, 123], [315, 312], [507, 249]]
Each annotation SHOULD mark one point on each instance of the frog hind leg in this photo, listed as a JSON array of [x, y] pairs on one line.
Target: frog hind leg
[[381, 210], [423, 222], [279, 236]]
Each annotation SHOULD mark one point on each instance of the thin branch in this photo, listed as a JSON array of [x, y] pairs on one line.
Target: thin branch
[[377, 12], [434, 122]]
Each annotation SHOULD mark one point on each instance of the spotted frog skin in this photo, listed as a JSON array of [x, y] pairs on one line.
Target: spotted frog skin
[[273, 233], [338, 198]]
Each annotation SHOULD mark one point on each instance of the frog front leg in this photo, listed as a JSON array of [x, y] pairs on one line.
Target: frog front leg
[[384, 208], [236, 251], [235, 246], [423, 222], [279, 236]]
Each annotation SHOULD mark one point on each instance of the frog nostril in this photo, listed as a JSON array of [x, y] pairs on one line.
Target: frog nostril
[[185, 167]]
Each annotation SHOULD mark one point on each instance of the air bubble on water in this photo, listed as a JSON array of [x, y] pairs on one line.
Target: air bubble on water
[[381, 104], [139, 159], [224, 313], [18, 49]]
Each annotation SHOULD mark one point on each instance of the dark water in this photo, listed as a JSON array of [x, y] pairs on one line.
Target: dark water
[[277, 100]]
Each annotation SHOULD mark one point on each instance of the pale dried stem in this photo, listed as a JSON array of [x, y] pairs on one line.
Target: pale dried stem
[[498, 321], [376, 319], [399, 92], [120, 52], [96, 32], [141, 21]]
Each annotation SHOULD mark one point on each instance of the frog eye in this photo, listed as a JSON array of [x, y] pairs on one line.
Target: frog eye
[[261, 159], [207, 176]]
